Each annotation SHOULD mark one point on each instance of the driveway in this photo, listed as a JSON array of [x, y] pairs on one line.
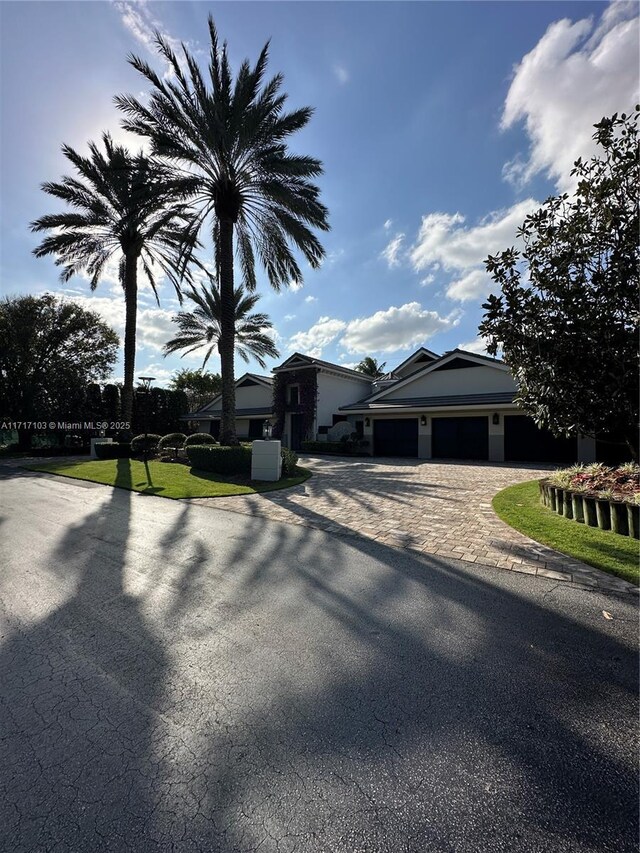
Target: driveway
[[435, 508], [175, 678]]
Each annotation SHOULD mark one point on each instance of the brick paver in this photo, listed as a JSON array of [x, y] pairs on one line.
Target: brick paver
[[427, 507]]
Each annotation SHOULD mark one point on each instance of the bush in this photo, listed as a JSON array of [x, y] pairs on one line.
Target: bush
[[174, 440], [114, 450], [220, 460], [138, 443], [289, 462], [200, 438]]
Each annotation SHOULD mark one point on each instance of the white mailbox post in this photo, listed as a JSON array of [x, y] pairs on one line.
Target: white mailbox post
[[100, 440], [266, 460]]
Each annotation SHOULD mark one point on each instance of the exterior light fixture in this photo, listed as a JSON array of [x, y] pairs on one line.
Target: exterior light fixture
[[146, 382], [367, 422], [267, 429], [423, 420], [496, 418]]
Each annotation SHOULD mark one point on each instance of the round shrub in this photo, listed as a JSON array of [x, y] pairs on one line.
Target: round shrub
[[220, 460], [289, 462], [138, 443], [173, 440], [200, 438]]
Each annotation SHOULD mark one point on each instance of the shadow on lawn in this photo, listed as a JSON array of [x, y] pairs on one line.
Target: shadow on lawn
[[217, 682]]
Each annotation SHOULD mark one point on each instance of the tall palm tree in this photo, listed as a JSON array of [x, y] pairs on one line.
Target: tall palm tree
[[127, 207], [231, 135], [201, 327], [371, 367]]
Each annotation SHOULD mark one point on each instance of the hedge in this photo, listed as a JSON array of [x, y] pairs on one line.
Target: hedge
[[113, 450], [220, 460], [138, 443], [289, 462], [199, 438], [172, 440]]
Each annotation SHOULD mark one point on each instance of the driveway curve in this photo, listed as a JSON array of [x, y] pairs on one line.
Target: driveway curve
[[438, 508]]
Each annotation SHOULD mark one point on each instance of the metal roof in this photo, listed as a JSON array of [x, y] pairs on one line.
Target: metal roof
[[215, 414], [434, 402]]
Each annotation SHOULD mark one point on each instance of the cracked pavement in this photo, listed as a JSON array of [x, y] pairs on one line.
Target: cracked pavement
[[180, 678]]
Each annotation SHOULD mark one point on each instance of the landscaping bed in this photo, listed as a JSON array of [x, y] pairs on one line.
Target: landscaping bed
[[519, 506], [597, 496], [166, 480]]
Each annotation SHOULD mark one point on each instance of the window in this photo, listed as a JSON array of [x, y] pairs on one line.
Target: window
[[294, 395]]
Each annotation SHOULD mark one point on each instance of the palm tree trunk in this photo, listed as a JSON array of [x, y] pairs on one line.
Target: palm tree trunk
[[131, 309], [226, 345]]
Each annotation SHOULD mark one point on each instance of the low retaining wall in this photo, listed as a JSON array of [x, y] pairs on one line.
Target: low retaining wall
[[619, 516]]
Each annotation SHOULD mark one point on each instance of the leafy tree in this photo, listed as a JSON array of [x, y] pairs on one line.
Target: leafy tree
[[49, 350], [201, 328], [567, 317], [230, 137], [93, 403], [111, 403], [196, 384], [371, 367], [126, 207]]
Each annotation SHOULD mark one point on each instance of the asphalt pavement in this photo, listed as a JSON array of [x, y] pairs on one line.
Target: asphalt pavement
[[179, 678]]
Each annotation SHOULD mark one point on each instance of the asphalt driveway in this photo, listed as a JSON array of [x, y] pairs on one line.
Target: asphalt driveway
[[174, 677], [429, 507]]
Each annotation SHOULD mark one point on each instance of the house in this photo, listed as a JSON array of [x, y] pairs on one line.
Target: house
[[254, 395], [459, 405]]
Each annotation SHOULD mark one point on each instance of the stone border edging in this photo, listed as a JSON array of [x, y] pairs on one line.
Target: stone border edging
[[619, 516]]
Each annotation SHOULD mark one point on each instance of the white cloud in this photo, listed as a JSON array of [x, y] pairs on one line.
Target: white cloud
[[311, 299], [478, 346], [428, 279], [295, 285], [388, 224], [472, 285], [320, 335], [288, 317], [391, 252], [576, 74], [341, 73], [393, 329], [444, 240]]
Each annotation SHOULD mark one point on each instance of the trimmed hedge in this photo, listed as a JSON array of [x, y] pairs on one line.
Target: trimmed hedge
[[113, 450], [220, 460], [322, 447], [199, 438], [289, 462], [138, 443], [172, 440]]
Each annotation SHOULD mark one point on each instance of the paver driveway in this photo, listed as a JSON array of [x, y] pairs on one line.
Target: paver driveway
[[440, 508]]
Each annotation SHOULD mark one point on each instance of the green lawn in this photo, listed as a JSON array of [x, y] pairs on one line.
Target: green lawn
[[520, 507], [164, 479]]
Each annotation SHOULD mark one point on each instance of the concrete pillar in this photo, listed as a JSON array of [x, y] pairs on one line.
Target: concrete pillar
[[424, 438], [496, 438], [367, 432]]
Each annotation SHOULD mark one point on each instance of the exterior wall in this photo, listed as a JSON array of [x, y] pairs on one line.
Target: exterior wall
[[335, 391], [242, 426], [203, 426], [468, 380], [253, 397]]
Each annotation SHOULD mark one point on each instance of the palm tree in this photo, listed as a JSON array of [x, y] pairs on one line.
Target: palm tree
[[231, 136], [126, 207], [370, 367], [201, 327]]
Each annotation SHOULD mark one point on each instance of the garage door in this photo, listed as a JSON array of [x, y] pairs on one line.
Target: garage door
[[524, 442], [460, 438], [397, 437]]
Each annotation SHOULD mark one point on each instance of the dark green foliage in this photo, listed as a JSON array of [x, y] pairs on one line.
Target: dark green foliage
[[220, 460], [172, 440], [93, 404], [289, 462], [307, 379], [115, 450], [567, 315], [199, 438], [371, 367], [200, 328], [141, 442], [50, 349], [347, 447], [159, 410], [111, 403]]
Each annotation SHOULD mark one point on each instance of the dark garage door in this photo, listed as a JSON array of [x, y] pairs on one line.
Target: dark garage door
[[397, 437], [524, 442], [460, 438]]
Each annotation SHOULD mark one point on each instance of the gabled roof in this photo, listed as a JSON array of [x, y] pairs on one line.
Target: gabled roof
[[418, 357], [438, 364], [495, 398], [298, 360], [255, 379]]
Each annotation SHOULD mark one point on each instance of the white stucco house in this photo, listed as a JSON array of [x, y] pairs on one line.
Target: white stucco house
[[459, 405]]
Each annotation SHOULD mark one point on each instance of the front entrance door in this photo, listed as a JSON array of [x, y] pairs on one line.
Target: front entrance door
[[297, 432]]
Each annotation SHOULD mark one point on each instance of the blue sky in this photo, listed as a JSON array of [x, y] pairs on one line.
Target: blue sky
[[440, 125]]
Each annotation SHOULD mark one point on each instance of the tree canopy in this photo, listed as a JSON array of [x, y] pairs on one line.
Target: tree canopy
[[50, 349], [371, 367], [566, 318]]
